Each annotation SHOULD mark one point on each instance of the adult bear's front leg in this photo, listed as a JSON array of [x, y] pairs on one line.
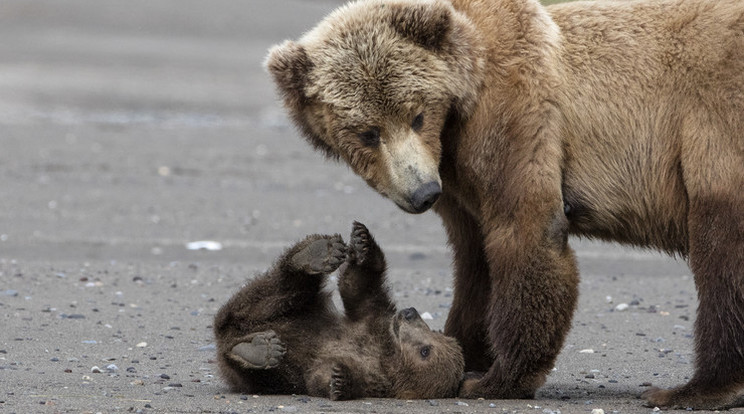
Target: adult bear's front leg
[[472, 286], [534, 290]]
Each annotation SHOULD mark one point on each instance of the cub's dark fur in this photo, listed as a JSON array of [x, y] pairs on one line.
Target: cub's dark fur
[[281, 334]]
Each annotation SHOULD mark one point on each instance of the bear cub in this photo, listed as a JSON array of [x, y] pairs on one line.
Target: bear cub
[[281, 334]]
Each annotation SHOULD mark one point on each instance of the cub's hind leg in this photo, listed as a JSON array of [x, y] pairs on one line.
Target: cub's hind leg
[[259, 350]]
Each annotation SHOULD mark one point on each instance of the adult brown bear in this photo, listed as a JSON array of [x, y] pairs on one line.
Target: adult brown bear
[[520, 124]]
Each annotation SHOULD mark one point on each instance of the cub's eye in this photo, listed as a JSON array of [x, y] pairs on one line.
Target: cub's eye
[[425, 351], [418, 122], [370, 137]]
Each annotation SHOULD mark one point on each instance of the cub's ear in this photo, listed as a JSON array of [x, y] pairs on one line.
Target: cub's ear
[[427, 24], [289, 65]]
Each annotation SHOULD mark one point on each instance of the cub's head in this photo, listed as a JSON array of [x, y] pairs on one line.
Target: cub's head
[[373, 84], [427, 364]]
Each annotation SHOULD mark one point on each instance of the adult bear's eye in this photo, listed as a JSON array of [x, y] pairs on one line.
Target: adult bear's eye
[[425, 351], [370, 137], [418, 122]]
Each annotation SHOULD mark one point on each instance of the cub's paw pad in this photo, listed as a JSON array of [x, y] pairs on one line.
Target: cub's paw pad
[[361, 243], [264, 351], [340, 383], [321, 256]]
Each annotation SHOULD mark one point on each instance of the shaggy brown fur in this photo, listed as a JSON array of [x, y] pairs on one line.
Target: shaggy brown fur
[[279, 333], [621, 120]]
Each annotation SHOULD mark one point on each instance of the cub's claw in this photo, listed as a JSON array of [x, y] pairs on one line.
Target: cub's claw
[[359, 243], [363, 250], [340, 383]]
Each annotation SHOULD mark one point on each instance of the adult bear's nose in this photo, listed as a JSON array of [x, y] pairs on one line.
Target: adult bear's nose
[[425, 196]]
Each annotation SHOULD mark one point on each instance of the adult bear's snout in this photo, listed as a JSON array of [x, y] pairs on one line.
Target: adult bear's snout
[[425, 196]]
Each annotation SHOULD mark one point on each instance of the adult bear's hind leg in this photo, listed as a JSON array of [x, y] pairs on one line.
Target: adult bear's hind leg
[[712, 164], [716, 229]]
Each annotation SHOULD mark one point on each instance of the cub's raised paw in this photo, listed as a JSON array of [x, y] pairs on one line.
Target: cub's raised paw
[[321, 256], [340, 383], [262, 350], [363, 250]]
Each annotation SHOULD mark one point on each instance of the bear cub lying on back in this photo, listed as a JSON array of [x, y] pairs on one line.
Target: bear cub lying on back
[[281, 334]]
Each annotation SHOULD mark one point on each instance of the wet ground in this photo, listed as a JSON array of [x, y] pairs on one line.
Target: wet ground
[[130, 129]]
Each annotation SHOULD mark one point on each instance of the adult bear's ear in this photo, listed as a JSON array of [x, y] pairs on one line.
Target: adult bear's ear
[[289, 65], [426, 24]]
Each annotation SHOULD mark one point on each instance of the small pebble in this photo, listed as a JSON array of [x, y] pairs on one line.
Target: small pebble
[[598, 411], [95, 370], [462, 404], [622, 307], [112, 368], [164, 376], [141, 345], [586, 351], [11, 292]]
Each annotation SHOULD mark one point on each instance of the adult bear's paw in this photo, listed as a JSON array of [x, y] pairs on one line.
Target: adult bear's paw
[[693, 397]]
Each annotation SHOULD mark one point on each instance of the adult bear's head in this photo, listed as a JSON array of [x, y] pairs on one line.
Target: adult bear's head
[[373, 84]]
